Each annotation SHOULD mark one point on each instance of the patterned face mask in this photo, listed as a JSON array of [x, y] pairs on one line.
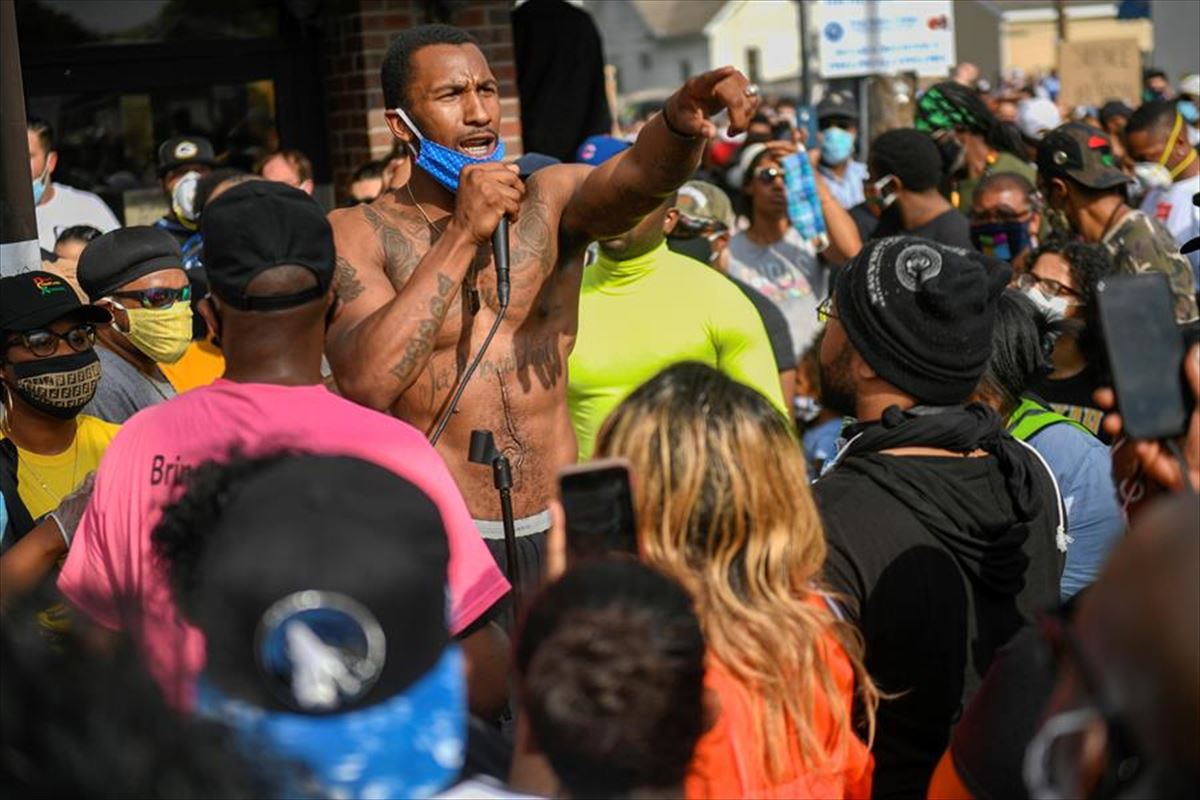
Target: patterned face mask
[[442, 163], [59, 386]]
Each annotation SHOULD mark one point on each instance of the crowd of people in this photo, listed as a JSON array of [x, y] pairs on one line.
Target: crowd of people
[[892, 538]]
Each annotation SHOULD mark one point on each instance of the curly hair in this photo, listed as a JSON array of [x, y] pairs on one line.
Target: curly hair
[[1089, 263], [747, 544], [184, 531]]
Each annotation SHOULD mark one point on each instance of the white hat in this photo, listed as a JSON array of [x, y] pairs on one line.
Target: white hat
[[1036, 116], [737, 174], [1190, 85]]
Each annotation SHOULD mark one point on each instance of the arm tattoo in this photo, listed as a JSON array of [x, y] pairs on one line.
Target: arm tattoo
[[420, 345], [345, 281], [533, 257]]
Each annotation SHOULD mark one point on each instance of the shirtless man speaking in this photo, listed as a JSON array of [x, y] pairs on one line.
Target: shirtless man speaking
[[418, 287]]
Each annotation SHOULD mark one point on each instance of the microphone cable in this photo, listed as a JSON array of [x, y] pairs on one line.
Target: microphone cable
[[500, 252]]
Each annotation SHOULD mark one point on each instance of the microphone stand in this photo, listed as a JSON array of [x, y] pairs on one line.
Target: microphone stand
[[483, 451]]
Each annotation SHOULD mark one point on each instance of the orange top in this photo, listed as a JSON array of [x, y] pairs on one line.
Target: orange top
[[202, 363], [946, 784], [724, 765]]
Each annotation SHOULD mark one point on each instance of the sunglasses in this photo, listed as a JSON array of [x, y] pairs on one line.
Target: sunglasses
[[767, 175], [43, 343], [158, 297], [687, 227]]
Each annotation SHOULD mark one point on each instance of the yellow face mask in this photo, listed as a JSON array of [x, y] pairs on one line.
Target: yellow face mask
[[161, 333]]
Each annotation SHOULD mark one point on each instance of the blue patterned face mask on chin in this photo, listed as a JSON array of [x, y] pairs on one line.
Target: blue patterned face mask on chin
[[442, 163]]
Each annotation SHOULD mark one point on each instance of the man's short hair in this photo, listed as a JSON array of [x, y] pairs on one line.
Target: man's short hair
[[910, 155], [396, 72], [298, 160], [43, 130], [998, 181], [78, 233], [1157, 114], [369, 170], [611, 666]]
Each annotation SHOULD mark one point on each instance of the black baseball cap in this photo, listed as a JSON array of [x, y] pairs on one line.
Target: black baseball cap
[[36, 299], [353, 552], [123, 255], [837, 104], [258, 225], [1082, 153], [180, 151]]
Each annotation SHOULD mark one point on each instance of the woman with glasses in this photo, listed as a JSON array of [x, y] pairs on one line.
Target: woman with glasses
[[49, 371], [1061, 282], [136, 274]]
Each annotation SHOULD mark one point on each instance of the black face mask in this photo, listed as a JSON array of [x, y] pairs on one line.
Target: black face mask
[[61, 386], [697, 247], [954, 154]]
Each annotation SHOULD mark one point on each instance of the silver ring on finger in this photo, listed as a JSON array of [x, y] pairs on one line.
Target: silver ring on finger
[[751, 90]]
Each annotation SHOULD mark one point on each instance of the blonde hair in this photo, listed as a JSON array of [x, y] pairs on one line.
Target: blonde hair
[[723, 506]]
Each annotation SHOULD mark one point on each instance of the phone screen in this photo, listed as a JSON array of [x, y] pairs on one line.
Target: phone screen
[[1145, 353], [598, 504]]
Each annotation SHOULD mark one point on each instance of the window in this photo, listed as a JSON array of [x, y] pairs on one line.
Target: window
[[753, 57]]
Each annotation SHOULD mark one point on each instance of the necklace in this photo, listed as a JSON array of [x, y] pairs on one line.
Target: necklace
[[57, 499], [1111, 219], [428, 221]]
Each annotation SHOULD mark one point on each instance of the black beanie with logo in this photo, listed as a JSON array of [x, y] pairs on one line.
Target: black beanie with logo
[[921, 314]]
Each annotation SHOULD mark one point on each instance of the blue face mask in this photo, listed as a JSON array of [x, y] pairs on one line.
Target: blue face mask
[[836, 146], [1002, 240], [39, 185], [442, 163], [1187, 109]]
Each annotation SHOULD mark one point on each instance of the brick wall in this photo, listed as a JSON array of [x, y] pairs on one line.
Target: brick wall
[[357, 38]]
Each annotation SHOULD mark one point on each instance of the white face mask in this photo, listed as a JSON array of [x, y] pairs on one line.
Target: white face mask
[[1151, 175], [1052, 308]]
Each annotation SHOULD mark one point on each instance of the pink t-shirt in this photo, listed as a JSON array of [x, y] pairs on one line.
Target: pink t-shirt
[[111, 573]]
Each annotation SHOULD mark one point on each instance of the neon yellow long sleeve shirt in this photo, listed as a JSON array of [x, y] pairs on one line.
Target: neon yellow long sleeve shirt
[[639, 316]]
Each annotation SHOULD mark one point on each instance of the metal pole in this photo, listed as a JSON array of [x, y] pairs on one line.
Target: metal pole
[[19, 250], [502, 477], [805, 74]]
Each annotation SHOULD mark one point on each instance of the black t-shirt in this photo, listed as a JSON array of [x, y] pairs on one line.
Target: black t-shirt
[[950, 228], [776, 324], [1072, 397], [864, 220], [931, 622]]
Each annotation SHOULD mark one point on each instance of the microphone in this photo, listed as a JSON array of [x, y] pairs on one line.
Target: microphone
[[500, 250]]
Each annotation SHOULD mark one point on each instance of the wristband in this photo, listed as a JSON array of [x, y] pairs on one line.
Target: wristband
[[667, 122]]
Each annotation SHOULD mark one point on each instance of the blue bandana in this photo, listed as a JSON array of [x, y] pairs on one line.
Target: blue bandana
[[411, 745], [442, 163]]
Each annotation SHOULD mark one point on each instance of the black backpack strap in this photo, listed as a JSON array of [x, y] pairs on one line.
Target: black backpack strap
[[19, 520]]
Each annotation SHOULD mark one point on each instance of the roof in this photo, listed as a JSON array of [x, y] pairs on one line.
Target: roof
[[671, 18]]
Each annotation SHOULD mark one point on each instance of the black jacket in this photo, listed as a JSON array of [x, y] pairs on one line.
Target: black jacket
[[940, 560]]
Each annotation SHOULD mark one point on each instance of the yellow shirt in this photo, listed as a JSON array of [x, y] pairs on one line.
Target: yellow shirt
[[43, 481], [201, 364]]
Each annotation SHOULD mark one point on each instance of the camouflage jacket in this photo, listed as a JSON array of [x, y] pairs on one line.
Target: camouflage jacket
[[1142, 244]]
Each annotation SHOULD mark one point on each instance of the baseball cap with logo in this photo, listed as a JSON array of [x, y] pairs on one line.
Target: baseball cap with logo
[[597, 149], [321, 593], [1082, 153], [35, 299], [180, 151]]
